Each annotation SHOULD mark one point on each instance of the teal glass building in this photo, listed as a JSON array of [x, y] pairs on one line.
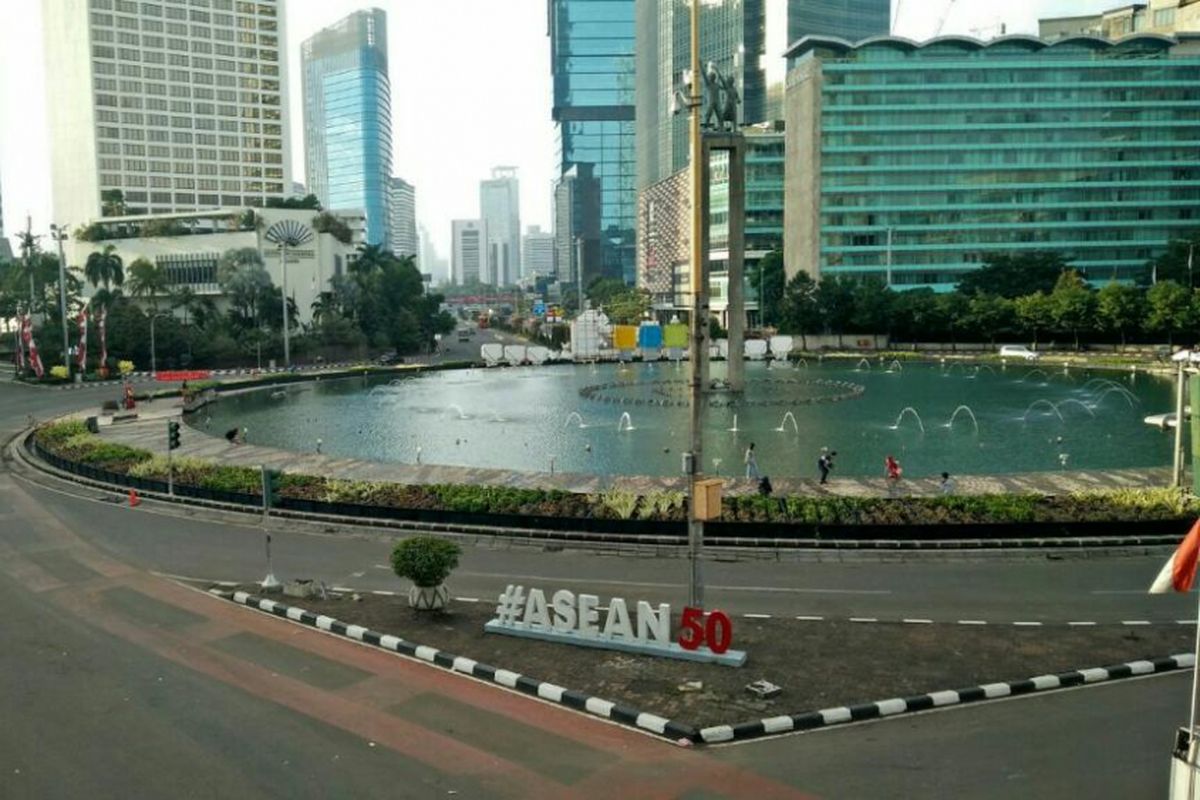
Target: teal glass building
[[912, 162], [592, 64], [348, 118]]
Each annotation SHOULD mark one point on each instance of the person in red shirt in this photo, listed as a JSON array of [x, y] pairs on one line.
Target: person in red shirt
[[892, 471]]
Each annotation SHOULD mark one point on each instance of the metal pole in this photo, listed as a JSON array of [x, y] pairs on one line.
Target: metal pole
[[29, 259], [889, 257], [1177, 459], [170, 464], [699, 326], [59, 234], [153, 354], [287, 353], [579, 270]]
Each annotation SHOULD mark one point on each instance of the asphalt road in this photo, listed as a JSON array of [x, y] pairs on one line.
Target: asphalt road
[[119, 684]]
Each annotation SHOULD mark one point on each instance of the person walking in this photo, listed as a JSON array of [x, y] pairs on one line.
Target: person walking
[[751, 462], [892, 471], [825, 463], [947, 486]]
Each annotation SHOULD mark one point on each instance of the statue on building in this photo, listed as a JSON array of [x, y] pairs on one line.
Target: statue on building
[[720, 100]]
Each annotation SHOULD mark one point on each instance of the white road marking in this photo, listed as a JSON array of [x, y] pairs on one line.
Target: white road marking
[[1027, 624], [1080, 623], [810, 619], [972, 622], [1135, 622], [863, 619], [757, 616], [918, 621], [467, 599]]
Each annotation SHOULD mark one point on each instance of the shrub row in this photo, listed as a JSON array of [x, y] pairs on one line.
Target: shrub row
[[71, 441]]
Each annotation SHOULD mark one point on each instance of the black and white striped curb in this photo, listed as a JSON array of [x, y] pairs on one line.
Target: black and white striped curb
[[812, 720], [501, 677], [142, 377]]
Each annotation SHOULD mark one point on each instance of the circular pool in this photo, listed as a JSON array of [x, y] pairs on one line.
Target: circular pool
[[632, 419]]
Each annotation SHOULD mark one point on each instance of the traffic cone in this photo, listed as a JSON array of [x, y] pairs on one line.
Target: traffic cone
[[134, 500]]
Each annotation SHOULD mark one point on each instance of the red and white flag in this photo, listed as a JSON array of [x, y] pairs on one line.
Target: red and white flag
[[20, 353], [1179, 573], [101, 320], [35, 360], [81, 351]]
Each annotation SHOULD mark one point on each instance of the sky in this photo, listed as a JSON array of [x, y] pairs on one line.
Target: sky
[[471, 89]]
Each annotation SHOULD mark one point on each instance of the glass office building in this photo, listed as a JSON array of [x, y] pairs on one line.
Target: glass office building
[[592, 62], [930, 156], [348, 118]]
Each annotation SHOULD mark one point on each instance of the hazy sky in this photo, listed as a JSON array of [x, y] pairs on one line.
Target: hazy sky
[[470, 90]]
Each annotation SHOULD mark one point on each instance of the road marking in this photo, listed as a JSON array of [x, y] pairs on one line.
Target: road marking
[[467, 599], [383, 592], [918, 621], [1027, 624], [341, 589], [863, 619], [1185, 622], [972, 622], [810, 619], [757, 616], [1135, 622], [1076, 624]]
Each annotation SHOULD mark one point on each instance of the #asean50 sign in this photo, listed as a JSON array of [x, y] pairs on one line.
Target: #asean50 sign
[[576, 619]]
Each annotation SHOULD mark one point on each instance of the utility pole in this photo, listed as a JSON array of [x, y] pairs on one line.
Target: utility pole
[[889, 257], [58, 233], [29, 258], [698, 345], [287, 353], [579, 271]]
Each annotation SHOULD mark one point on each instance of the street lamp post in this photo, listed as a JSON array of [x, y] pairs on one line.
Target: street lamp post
[[287, 233], [154, 315], [59, 233], [698, 350]]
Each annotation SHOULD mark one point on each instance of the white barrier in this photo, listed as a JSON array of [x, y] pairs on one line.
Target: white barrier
[[514, 354], [781, 346], [537, 354], [492, 353], [755, 349]]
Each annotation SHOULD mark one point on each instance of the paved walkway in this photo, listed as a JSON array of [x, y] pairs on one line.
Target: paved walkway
[[150, 434]]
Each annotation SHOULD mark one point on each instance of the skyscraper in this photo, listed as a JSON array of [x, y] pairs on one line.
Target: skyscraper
[[469, 251], [577, 246], [402, 228], [500, 208], [348, 117], [162, 107], [537, 252], [592, 63], [744, 39]]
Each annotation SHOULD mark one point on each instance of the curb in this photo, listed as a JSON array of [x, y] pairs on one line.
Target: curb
[[813, 720], [542, 690]]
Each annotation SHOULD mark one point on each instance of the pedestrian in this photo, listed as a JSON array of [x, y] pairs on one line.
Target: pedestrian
[[947, 486], [231, 435], [751, 462], [825, 463], [892, 471]]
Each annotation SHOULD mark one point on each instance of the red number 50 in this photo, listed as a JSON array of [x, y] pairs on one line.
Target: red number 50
[[695, 630]]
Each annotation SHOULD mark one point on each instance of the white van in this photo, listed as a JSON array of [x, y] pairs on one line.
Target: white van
[[1019, 351]]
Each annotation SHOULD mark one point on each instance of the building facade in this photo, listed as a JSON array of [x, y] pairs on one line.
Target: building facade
[[500, 209], [578, 252], [469, 263], [1156, 16], [165, 107], [742, 38], [537, 253], [188, 248], [402, 229], [592, 64], [916, 161], [348, 117]]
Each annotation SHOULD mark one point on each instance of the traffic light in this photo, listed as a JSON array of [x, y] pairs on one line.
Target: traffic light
[[273, 484], [172, 435]]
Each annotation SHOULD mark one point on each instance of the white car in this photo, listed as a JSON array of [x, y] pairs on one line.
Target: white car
[[1019, 351]]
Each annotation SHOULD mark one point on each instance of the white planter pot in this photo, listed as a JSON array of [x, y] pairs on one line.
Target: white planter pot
[[428, 598]]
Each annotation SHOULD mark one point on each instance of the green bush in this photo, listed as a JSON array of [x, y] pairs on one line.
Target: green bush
[[59, 432], [425, 560]]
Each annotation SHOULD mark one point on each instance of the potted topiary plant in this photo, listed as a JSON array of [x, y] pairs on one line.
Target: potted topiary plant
[[427, 562]]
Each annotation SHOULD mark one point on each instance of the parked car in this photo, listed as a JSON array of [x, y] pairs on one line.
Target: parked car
[[389, 358], [1019, 351]]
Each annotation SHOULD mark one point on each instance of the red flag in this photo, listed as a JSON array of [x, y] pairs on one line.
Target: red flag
[[35, 360], [81, 352], [1179, 573], [20, 353]]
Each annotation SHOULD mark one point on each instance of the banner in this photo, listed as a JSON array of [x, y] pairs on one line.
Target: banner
[[81, 351], [625, 337], [676, 335], [19, 354], [165, 376], [101, 319], [35, 360]]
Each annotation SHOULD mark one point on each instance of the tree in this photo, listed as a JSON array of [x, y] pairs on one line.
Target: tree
[[1072, 304], [1172, 265], [990, 314], [916, 315], [309, 201], [1016, 275], [836, 298], [328, 223], [1119, 308], [147, 282], [872, 307], [769, 280], [801, 311], [104, 267], [1170, 309], [1035, 313], [954, 310], [112, 203], [601, 291], [241, 276]]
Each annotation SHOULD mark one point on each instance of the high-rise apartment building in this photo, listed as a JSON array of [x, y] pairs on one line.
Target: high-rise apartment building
[[167, 106], [348, 117], [402, 230], [744, 39], [500, 208], [912, 163], [592, 63], [578, 250], [469, 251], [1157, 16], [537, 252]]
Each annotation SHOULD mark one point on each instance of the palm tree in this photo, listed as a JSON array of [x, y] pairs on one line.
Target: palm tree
[[147, 281], [105, 267], [184, 297]]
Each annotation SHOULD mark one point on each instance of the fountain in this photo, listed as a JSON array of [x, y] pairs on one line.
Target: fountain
[[577, 416], [458, 409], [1120, 390], [734, 429], [800, 361], [970, 414], [1045, 377], [950, 369], [1073, 401], [783, 423], [903, 412], [895, 366], [980, 368], [861, 361], [625, 423], [1042, 402]]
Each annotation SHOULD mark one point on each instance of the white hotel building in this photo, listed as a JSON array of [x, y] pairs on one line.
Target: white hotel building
[[179, 104]]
